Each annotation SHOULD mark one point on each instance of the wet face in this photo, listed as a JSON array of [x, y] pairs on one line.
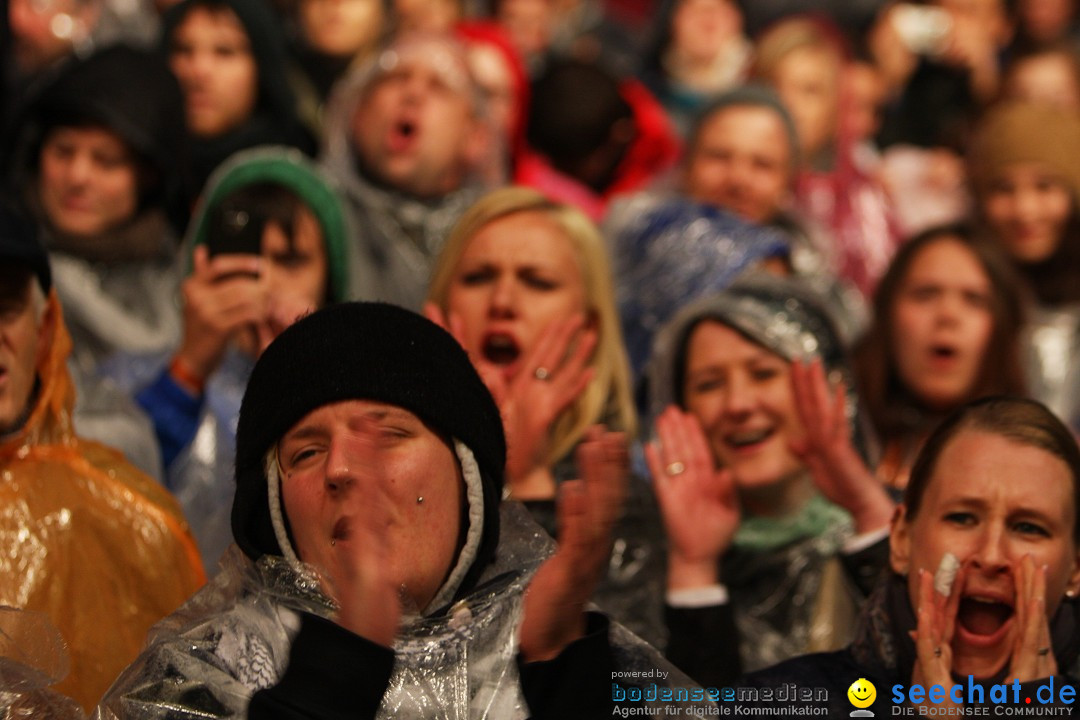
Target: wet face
[[1028, 205], [23, 344], [741, 394], [516, 277], [942, 324], [808, 81], [414, 129], [741, 162], [330, 462], [701, 28], [211, 58], [87, 180], [340, 28], [990, 501]]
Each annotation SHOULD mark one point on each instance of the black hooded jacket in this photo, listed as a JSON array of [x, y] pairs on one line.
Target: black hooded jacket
[[275, 120]]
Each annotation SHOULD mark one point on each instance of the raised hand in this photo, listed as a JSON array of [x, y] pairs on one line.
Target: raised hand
[[587, 510], [369, 603], [222, 295], [1033, 653], [697, 501], [933, 637], [352, 558], [826, 449], [552, 374]]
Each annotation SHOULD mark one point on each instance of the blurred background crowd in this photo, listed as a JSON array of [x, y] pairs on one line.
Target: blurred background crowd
[[661, 210]]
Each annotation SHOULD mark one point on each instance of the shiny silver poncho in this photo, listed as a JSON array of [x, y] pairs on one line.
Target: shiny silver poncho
[[233, 638]]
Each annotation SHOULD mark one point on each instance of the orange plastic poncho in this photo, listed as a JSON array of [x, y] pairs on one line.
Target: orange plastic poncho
[[85, 537]]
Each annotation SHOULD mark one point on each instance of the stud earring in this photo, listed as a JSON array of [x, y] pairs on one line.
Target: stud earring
[[420, 500], [333, 541]]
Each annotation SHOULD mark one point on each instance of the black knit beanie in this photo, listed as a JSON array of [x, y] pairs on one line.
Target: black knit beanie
[[127, 90], [363, 351]]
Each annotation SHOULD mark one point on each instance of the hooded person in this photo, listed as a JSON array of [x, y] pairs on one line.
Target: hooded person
[[97, 161], [593, 135], [269, 242], [235, 100], [784, 540], [409, 140], [369, 465], [86, 539]]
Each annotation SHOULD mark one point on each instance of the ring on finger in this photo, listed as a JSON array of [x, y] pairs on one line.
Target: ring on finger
[[675, 468], [541, 373]]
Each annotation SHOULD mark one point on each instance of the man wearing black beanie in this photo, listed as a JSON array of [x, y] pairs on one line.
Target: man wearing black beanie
[[378, 572]]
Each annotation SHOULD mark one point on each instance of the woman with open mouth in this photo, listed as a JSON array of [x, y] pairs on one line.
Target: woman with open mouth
[[525, 285], [756, 532], [981, 600], [946, 330]]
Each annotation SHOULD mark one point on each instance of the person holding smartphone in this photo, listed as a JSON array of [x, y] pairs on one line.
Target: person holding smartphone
[[267, 245]]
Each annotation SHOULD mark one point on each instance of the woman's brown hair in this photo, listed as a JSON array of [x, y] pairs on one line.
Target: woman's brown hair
[[893, 408], [1023, 421]]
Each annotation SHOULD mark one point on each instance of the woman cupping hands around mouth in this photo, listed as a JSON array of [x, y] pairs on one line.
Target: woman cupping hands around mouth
[[524, 284], [987, 538], [980, 606]]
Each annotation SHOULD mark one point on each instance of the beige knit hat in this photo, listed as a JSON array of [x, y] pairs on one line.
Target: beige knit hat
[[1018, 132]]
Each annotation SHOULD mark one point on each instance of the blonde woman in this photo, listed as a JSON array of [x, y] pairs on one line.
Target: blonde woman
[[525, 285]]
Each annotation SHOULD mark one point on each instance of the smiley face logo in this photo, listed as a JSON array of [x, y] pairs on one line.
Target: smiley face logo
[[862, 693]]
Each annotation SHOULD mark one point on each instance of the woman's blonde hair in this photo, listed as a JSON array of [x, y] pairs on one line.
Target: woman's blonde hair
[[607, 399]]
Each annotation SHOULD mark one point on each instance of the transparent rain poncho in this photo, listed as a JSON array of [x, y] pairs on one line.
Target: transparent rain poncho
[[32, 657], [789, 591], [670, 250], [233, 639], [85, 538]]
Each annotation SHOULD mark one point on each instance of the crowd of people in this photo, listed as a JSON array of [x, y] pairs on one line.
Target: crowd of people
[[436, 359]]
